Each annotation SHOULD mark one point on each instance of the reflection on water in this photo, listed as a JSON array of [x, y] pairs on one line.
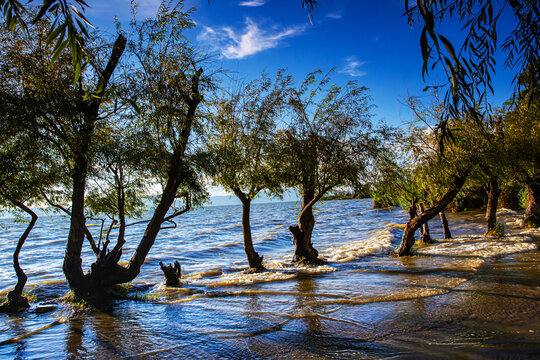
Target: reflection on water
[[467, 297]]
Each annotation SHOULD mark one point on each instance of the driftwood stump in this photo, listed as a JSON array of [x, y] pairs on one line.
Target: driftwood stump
[[172, 273]]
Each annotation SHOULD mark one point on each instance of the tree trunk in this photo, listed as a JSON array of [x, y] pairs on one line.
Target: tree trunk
[[531, 216], [15, 301], [493, 193], [407, 241], [412, 209], [172, 274], [304, 252], [106, 271], [446, 229], [425, 237], [72, 257], [254, 260], [84, 286]]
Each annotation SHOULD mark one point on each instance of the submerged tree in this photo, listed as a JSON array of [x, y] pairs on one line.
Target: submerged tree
[[166, 90], [28, 161], [520, 123], [24, 170], [441, 174], [240, 144], [328, 143]]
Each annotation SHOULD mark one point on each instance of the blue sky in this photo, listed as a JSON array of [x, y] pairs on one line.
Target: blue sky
[[366, 41]]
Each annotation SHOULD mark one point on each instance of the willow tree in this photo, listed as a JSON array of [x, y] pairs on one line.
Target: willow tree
[[166, 87], [520, 123], [328, 143], [25, 168], [442, 173], [29, 161], [165, 91], [240, 146]]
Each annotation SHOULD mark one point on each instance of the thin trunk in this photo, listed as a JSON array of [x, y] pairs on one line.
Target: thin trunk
[[493, 193], [532, 212], [412, 209], [121, 201], [108, 272], [425, 237], [254, 260], [16, 301], [446, 229], [304, 250], [407, 241]]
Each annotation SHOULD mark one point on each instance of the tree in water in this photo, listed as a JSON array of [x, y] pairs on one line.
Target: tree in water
[[447, 234], [27, 161], [165, 89], [239, 145], [521, 143], [440, 173], [20, 181], [328, 143]]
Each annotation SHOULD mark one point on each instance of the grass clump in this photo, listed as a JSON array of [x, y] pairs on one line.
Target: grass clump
[[145, 296], [70, 298], [497, 231], [30, 294]]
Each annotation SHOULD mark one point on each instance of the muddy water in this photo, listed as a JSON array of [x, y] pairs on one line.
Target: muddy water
[[471, 297]]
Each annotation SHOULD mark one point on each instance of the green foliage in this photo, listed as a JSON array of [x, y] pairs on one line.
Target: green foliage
[[145, 296], [30, 294], [71, 299], [469, 71], [240, 144], [520, 126], [330, 141], [418, 171], [523, 197]]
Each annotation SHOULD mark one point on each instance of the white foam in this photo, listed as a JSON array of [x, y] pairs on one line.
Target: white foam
[[479, 246], [240, 278], [350, 251], [286, 265]]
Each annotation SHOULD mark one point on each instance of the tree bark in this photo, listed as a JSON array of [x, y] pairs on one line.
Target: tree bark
[[304, 252], [254, 260], [15, 301], [493, 193], [407, 240], [425, 237], [412, 209], [82, 286], [446, 229], [531, 216]]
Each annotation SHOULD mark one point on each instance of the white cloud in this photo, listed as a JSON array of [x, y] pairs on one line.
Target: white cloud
[[352, 67], [251, 40], [252, 3], [335, 15]]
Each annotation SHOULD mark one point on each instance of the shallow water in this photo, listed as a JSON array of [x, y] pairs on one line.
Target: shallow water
[[469, 297]]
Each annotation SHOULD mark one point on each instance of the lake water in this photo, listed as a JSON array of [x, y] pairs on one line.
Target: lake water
[[468, 297]]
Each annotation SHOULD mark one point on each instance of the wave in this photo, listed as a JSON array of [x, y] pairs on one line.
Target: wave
[[479, 246], [353, 250], [218, 228]]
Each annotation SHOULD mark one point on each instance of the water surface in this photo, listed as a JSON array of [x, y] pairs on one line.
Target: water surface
[[469, 297]]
